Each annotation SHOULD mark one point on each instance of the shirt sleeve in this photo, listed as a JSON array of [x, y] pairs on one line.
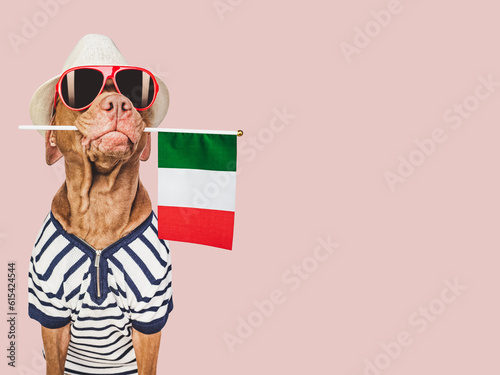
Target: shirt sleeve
[[46, 304], [149, 314]]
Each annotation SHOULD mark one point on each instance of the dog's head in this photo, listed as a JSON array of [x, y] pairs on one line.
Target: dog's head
[[88, 96], [110, 131]]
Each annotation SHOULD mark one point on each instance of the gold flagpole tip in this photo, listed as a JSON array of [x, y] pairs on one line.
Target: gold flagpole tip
[[240, 133]]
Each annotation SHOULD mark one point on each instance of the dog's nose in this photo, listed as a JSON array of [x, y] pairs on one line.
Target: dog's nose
[[116, 104]]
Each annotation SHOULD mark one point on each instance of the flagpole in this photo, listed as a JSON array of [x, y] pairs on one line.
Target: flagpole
[[239, 133]]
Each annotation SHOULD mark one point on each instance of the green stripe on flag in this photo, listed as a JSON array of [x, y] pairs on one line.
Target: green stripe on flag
[[216, 152]]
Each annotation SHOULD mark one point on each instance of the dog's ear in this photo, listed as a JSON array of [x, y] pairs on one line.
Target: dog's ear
[[52, 153], [147, 150]]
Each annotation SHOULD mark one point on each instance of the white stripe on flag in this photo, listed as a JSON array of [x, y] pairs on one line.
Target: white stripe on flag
[[196, 188]]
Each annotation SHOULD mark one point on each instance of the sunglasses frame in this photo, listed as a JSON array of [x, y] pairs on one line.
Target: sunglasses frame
[[108, 72]]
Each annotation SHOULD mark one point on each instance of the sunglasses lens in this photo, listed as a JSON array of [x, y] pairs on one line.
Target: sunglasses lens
[[80, 87], [138, 86]]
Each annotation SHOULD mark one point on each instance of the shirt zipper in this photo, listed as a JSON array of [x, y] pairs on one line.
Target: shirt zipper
[[97, 259]]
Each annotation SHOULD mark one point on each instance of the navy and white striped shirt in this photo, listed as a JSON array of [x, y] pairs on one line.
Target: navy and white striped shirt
[[103, 294]]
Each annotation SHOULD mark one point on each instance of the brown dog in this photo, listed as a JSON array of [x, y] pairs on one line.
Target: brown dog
[[103, 198], [100, 278]]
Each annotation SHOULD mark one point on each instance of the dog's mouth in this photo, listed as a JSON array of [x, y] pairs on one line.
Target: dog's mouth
[[113, 143]]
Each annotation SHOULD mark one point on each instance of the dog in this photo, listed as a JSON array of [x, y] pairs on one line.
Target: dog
[[100, 279]]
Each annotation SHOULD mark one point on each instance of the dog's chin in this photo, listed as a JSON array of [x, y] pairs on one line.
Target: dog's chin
[[107, 150]]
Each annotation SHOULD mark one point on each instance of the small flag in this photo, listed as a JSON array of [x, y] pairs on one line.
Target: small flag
[[197, 188]]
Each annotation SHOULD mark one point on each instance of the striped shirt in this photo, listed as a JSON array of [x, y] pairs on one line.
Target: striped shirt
[[103, 294]]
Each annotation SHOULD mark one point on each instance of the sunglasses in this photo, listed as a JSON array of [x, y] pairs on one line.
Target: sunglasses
[[78, 87]]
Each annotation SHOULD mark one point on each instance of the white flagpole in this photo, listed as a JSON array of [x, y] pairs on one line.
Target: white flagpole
[[47, 127], [239, 133]]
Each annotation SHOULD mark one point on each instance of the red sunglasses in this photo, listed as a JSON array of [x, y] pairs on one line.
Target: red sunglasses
[[78, 87]]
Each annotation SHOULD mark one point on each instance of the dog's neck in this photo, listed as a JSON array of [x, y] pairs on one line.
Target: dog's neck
[[100, 208]]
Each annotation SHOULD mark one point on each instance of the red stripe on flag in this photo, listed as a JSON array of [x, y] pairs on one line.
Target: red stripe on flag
[[196, 225]]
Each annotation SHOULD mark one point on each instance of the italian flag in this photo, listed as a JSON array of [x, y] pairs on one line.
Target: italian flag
[[197, 187]]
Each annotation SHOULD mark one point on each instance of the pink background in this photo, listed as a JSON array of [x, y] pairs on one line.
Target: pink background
[[322, 174]]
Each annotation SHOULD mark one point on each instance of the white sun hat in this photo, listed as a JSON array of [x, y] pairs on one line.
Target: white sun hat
[[92, 49]]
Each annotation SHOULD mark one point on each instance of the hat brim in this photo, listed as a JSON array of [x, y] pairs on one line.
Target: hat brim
[[42, 103]]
